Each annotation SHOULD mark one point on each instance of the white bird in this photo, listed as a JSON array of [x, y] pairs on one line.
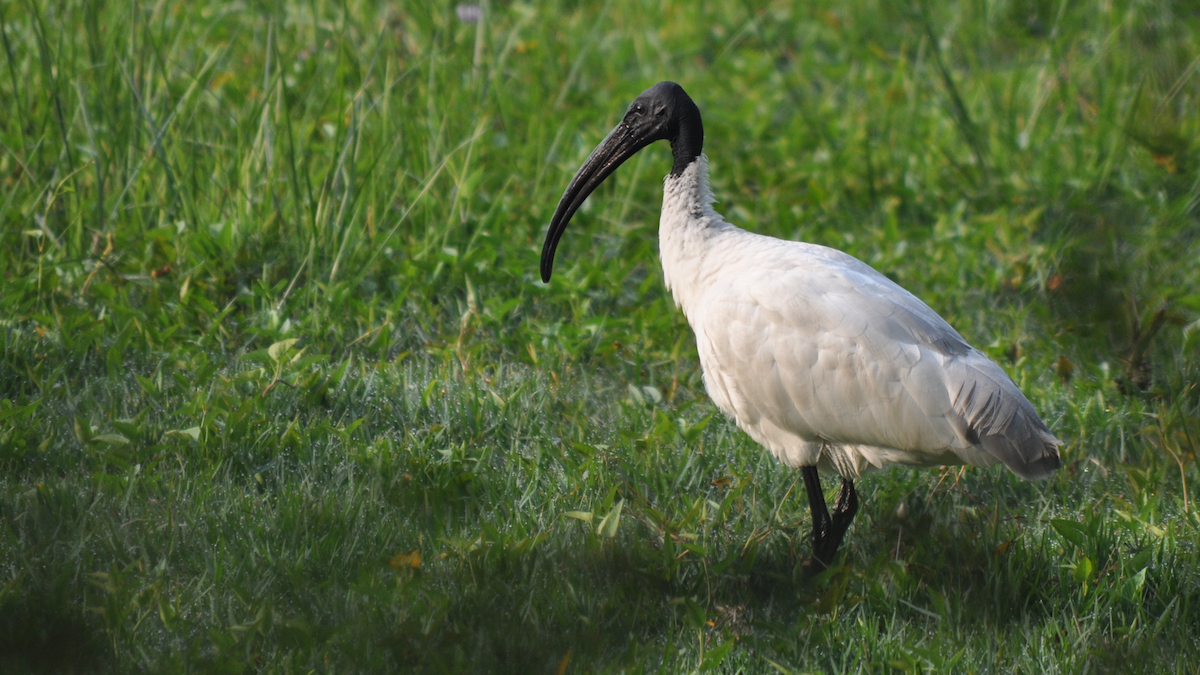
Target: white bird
[[818, 357]]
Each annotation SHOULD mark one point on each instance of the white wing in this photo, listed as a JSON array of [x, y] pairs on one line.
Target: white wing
[[808, 348]]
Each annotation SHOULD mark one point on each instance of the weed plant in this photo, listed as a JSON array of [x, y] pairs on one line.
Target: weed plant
[[281, 392]]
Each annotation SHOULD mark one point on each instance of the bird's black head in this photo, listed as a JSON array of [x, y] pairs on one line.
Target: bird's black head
[[663, 112]]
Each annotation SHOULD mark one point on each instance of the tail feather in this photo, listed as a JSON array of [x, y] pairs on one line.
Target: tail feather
[[997, 417]]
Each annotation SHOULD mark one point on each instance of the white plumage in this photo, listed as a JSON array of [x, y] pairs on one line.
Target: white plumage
[[821, 359], [826, 362]]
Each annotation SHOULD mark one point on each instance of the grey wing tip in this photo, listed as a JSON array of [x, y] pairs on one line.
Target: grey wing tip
[[1042, 467], [997, 417], [1029, 463]]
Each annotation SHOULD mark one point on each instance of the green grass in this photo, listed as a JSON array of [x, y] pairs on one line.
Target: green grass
[[280, 390]]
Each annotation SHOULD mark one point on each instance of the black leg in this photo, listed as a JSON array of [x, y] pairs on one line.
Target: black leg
[[816, 500], [828, 530]]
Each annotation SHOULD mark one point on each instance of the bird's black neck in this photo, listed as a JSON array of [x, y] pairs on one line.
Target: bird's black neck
[[688, 141]]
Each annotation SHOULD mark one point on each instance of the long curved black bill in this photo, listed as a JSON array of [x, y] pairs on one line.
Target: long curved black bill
[[620, 144]]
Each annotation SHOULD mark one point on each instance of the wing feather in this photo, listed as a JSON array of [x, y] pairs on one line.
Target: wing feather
[[811, 342]]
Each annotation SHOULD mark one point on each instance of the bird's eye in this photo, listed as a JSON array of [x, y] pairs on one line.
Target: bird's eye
[[637, 108]]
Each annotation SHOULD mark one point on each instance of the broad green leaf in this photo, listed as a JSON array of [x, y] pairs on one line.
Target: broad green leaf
[[608, 526], [111, 439], [349, 429], [277, 350], [1071, 531], [83, 430], [1083, 570], [714, 656], [1135, 584], [191, 432], [22, 410]]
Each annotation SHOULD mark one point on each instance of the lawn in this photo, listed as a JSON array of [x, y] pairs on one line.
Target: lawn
[[281, 390]]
